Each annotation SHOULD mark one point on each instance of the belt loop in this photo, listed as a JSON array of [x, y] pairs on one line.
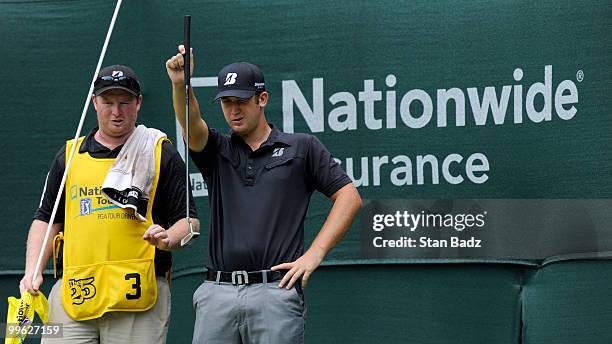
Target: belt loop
[[218, 277], [264, 276]]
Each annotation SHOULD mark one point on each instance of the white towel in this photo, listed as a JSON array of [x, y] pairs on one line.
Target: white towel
[[130, 178]]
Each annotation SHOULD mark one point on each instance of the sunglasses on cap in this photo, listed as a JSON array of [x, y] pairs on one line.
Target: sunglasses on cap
[[124, 81]]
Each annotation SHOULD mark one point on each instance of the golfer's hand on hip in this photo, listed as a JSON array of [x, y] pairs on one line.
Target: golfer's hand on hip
[[303, 267]]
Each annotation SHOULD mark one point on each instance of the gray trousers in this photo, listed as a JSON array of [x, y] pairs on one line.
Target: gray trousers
[[254, 313], [148, 327]]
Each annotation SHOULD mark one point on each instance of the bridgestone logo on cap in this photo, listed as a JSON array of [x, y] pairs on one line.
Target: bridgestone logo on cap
[[230, 79]]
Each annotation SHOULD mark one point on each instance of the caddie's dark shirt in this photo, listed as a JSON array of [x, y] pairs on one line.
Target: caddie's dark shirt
[[168, 204], [258, 199]]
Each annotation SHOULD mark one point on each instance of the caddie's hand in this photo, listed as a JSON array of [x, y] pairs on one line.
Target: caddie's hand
[[157, 236], [175, 66], [303, 267], [26, 284]]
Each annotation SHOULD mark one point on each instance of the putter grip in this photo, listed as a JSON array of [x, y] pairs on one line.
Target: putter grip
[[187, 44]]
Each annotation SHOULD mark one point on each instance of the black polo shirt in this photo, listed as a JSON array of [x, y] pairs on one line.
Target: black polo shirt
[[168, 204], [258, 199]]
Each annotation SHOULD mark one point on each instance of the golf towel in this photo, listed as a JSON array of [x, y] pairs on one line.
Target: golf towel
[[129, 180]]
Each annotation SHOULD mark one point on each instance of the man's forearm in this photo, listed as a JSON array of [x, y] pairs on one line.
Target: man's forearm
[[179, 230], [198, 130], [346, 206], [36, 237]]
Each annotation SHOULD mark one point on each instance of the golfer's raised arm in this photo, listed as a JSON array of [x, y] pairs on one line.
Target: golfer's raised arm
[[198, 130]]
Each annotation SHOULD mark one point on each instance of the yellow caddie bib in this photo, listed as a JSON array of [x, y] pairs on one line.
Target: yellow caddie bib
[[107, 265]]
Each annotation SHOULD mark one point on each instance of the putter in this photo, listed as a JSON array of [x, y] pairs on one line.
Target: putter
[[187, 69]]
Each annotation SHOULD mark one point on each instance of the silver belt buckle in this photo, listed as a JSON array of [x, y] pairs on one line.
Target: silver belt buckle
[[240, 277]]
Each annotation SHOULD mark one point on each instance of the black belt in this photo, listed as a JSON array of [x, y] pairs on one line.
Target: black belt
[[243, 277]]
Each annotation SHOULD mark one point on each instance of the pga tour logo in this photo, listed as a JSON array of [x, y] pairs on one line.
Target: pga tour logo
[[85, 206]]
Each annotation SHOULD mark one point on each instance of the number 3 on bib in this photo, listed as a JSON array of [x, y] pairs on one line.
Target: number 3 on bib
[[135, 286]]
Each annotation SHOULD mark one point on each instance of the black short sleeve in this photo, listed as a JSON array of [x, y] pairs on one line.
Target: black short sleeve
[[325, 174], [50, 189]]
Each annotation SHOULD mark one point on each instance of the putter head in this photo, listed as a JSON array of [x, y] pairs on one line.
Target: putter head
[[191, 235], [187, 239]]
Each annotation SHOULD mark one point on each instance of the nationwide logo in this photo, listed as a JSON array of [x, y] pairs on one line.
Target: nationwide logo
[[420, 109], [90, 199], [22, 318], [74, 192]]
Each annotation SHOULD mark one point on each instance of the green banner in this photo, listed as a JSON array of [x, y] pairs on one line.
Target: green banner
[[416, 99]]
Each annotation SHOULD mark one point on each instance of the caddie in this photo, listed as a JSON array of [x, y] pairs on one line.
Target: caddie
[[122, 210]]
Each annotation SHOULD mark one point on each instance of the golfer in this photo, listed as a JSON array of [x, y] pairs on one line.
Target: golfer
[[260, 181]]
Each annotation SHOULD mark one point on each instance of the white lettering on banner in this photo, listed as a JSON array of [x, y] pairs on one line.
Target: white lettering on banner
[[198, 185], [489, 100], [314, 117], [390, 81], [368, 97], [344, 115], [562, 99], [402, 170], [348, 112], [407, 117]]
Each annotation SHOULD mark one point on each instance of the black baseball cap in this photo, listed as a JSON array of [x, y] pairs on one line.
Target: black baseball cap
[[117, 77], [240, 79]]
